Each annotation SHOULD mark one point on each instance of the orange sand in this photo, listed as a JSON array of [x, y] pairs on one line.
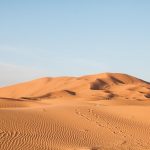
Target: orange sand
[[97, 112]]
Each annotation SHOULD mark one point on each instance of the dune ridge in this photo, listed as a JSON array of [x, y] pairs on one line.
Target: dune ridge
[[45, 87]]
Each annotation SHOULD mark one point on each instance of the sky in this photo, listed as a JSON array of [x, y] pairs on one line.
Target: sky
[[73, 37]]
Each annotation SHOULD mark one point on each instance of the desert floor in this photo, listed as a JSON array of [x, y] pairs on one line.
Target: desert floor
[[74, 124]]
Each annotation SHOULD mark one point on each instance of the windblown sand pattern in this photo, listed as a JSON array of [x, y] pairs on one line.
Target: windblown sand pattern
[[97, 112]]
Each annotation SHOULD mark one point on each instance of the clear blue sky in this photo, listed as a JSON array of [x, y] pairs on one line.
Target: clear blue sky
[[73, 37]]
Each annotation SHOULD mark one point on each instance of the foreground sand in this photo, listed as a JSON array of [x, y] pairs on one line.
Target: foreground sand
[[90, 120]]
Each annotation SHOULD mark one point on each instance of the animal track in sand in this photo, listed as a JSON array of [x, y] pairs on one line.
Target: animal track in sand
[[91, 116], [114, 124]]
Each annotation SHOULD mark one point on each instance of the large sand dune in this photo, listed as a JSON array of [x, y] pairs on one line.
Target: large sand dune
[[107, 111]]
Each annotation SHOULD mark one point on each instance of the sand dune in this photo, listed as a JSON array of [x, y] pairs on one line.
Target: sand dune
[[113, 82], [107, 111]]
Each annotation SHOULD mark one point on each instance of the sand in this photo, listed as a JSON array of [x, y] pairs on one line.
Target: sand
[[107, 111]]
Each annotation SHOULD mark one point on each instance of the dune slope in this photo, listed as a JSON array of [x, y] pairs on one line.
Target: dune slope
[[100, 84]]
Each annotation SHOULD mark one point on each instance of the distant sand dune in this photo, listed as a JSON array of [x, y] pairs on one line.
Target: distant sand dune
[[79, 85]]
